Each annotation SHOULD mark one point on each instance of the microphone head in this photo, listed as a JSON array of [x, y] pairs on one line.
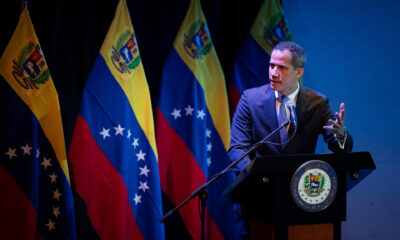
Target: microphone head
[[291, 105]]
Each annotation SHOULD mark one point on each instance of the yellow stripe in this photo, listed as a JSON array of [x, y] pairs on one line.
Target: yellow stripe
[[42, 101], [132, 81], [268, 17], [207, 71]]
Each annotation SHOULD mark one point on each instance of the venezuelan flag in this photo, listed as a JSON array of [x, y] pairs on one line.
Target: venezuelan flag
[[192, 129], [113, 151], [35, 195], [251, 66]]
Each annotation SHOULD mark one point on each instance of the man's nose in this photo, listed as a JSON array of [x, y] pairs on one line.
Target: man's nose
[[274, 71]]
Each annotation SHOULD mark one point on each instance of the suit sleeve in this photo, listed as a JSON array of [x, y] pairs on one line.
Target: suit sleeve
[[241, 134]]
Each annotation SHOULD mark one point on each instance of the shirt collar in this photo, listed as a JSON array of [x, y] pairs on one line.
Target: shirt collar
[[291, 96]]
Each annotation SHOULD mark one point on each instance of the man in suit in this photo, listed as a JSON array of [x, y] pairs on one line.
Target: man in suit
[[258, 112]]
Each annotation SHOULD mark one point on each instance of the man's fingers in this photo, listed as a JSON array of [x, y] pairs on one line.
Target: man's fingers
[[334, 126], [327, 127], [342, 111], [339, 119]]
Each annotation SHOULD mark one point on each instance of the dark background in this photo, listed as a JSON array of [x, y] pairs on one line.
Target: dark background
[[71, 34]]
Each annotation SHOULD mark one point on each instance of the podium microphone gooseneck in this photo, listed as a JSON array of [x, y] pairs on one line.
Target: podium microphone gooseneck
[[201, 191]]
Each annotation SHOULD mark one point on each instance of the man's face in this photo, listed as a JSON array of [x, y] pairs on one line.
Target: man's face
[[282, 75]]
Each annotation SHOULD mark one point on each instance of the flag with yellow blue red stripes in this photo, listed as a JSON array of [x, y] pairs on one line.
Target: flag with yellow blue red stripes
[[35, 194], [192, 129], [113, 152]]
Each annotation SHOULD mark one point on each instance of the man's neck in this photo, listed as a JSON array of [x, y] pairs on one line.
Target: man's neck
[[291, 94]]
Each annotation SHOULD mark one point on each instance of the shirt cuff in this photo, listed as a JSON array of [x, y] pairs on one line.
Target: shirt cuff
[[342, 142]]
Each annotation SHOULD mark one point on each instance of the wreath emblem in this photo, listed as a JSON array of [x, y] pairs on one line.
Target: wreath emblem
[[125, 54], [314, 186], [197, 41]]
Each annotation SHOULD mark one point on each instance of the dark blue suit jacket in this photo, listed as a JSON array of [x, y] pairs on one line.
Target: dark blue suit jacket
[[255, 118]]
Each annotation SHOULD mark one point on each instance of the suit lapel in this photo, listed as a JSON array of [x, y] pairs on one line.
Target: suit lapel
[[270, 108], [271, 120], [301, 105]]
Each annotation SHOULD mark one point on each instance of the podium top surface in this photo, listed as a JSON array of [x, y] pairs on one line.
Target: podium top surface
[[289, 163], [361, 162]]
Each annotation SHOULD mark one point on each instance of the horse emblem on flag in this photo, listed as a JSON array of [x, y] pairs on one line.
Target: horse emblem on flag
[[125, 56], [30, 68], [277, 31], [197, 41]]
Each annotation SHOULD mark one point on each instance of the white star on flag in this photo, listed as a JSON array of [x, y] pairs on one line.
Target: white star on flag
[[209, 147], [208, 161], [37, 152], [51, 225], [27, 149], [135, 142], [46, 162], [144, 171], [105, 133], [137, 199], [208, 133], [11, 153], [201, 114], [53, 177], [56, 194], [119, 130], [56, 211], [189, 110], [129, 134], [143, 186], [140, 155], [176, 113]]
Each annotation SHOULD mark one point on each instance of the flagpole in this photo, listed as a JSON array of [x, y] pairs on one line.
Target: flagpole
[[24, 4]]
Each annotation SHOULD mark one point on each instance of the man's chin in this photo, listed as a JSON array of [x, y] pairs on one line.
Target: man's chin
[[274, 86]]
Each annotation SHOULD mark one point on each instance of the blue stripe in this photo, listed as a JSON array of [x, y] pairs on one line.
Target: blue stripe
[[179, 90], [18, 128], [105, 105], [178, 93], [251, 66]]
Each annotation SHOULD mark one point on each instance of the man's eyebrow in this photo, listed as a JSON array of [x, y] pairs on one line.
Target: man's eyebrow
[[279, 65]]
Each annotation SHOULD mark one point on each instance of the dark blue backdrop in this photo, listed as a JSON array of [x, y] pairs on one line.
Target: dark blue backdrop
[[353, 56]]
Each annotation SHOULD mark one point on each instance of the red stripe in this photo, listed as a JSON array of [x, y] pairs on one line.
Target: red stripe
[[180, 175], [18, 219], [101, 186], [234, 97]]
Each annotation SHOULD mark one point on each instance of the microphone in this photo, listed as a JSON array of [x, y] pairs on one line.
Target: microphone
[[291, 105]]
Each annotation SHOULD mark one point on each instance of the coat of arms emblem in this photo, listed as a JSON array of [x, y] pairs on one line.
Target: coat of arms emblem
[[197, 40], [314, 186]]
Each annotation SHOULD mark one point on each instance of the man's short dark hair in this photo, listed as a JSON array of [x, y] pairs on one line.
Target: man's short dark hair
[[298, 53]]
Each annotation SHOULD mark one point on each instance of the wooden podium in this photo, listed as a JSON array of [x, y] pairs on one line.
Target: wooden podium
[[264, 191]]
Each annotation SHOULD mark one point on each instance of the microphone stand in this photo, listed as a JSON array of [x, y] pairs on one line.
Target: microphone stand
[[201, 191]]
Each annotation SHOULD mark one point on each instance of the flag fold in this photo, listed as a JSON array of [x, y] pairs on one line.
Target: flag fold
[[193, 128], [113, 152]]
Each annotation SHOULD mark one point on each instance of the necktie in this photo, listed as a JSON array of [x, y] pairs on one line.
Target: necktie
[[282, 117]]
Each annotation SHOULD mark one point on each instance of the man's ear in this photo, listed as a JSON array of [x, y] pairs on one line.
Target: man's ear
[[299, 72]]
